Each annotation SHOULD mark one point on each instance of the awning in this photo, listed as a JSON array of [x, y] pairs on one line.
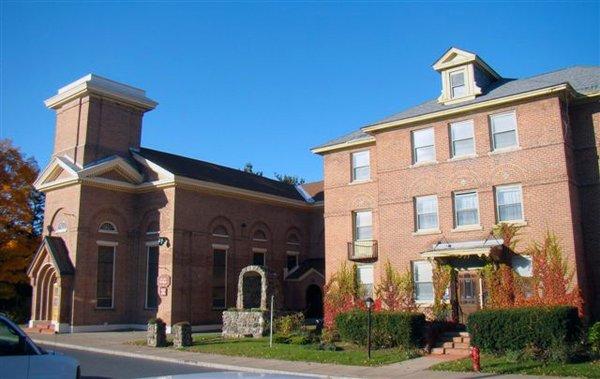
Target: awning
[[461, 249]]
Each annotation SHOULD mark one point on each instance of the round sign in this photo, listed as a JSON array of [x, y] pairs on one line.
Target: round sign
[[164, 280]]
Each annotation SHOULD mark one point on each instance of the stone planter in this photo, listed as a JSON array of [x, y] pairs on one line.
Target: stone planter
[[182, 334], [156, 335], [241, 323]]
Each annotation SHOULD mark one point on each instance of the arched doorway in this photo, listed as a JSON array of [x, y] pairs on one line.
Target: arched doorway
[[314, 302]]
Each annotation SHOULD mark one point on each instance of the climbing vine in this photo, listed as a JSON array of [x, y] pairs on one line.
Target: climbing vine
[[395, 290]]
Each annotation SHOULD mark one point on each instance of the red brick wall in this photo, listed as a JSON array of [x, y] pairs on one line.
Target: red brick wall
[[539, 164]]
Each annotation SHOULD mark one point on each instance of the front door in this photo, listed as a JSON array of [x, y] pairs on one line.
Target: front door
[[468, 294]]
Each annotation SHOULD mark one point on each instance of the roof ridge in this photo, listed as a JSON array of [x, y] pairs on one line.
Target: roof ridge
[[237, 171]]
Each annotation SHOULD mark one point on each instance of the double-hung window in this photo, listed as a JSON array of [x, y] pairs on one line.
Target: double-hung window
[[365, 278], [423, 145], [463, 141], [361, 168], [423, 279], [363, 226], [509, 203], [504, 130], [219, 279], [427, 212], [458, 86], [466, 209]]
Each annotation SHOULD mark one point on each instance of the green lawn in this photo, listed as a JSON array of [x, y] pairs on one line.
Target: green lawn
[[502, 365], [259, 348]]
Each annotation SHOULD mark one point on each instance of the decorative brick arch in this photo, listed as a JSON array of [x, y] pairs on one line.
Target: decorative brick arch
[[269, 286], [221, 221]]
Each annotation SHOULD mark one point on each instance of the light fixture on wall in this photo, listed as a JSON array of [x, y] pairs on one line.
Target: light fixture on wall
[[163, 240]]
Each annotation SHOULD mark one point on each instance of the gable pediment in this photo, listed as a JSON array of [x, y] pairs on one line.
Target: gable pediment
[[59, 170], [454, 57]]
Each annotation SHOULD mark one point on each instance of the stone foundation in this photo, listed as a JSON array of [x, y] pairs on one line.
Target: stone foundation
[[237, 324]]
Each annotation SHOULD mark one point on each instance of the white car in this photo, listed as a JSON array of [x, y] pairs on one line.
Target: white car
[[21, 358]]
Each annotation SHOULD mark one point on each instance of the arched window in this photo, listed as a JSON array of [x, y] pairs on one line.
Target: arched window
[[293, 239], [107, 227], [259, 235], [220, 231], [153, 228], [61, 227]]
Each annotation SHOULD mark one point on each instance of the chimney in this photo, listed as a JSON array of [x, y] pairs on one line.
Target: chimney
[[96, 118]]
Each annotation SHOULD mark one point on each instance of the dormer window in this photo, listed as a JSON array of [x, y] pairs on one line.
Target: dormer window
[[464, 76], [458, 88]]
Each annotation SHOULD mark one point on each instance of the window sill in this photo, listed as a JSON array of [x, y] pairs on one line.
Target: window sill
[[514, 222], [467, 228], [426, 232], [355, 182], [423, 164], [462, 157], [504, 150]]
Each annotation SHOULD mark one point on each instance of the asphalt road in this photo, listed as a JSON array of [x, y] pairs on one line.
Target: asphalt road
[[101, 366]]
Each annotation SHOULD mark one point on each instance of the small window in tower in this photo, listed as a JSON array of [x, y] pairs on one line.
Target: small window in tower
[[61, 227]]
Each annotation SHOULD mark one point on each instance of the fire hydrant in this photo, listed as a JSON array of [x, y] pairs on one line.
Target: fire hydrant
[[475, 359]]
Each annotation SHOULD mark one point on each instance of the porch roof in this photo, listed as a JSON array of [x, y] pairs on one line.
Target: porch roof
[[461, 249]]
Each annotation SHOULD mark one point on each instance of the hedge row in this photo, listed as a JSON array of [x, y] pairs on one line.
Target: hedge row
[[501, 330], [389, 329]]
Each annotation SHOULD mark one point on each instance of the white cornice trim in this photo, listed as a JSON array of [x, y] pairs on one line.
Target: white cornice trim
[[344, 145], [55, 163], [466, 108], [162, 172], [97, 85]]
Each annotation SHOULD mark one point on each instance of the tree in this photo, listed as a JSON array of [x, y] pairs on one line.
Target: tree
[[249, 168], [21, 211], [395, 290], [292, 180]]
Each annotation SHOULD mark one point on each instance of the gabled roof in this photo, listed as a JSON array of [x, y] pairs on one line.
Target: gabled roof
[[213, 173], [316, 264], [55, 246], [584, 80], [314, 190]]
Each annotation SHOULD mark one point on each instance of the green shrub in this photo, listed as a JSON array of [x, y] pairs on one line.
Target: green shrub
[[300, 339], [279, 338], [533, 328], [594, 338], [155, 320], [389, 329], [288, 325]]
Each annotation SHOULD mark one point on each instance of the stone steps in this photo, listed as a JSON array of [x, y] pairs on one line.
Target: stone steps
[[453, 343], [40, 328]]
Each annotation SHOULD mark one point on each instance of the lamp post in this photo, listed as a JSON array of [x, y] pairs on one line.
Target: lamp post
[[369, 303]]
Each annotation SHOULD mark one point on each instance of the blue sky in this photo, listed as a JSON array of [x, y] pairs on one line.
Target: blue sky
[[264, 82]]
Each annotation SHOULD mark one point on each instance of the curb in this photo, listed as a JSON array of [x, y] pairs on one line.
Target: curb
[[217, 366]]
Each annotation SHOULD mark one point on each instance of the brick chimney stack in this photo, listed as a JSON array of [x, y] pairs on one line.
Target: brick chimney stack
[[96, 118]]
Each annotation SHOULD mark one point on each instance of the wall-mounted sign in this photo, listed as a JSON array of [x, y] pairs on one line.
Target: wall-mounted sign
[[164, 280], [162, 291]]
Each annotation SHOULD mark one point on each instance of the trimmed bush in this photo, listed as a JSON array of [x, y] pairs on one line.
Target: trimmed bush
[[389, 329], [502, 330]]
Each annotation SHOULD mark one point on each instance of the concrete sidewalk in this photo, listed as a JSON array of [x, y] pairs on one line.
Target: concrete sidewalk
[[115, 343]]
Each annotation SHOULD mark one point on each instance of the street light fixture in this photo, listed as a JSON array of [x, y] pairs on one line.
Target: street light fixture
[[369, 303]]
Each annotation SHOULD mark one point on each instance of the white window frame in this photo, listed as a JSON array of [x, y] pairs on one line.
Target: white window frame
[[148, 246], [492, 133], [452, 140], [352, 155], [505, 186], [262, 251], [219, 234], [61, 227], [114, 277], [355, 226], [294, 254], [462, 71], [414, 272], [457, 226], [437, 212], [360, 282], [225, 248], [414, 146]]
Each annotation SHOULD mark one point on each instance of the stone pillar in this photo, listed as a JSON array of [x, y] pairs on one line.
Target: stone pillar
[[182, 334]]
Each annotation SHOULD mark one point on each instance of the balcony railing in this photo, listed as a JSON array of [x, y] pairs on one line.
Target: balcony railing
[[362, 251]]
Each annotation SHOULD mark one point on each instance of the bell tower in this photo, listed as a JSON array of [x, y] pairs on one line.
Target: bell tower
[[96, 118]]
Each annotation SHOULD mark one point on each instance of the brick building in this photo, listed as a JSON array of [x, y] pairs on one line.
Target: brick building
[[431, 181], [132, 233]]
